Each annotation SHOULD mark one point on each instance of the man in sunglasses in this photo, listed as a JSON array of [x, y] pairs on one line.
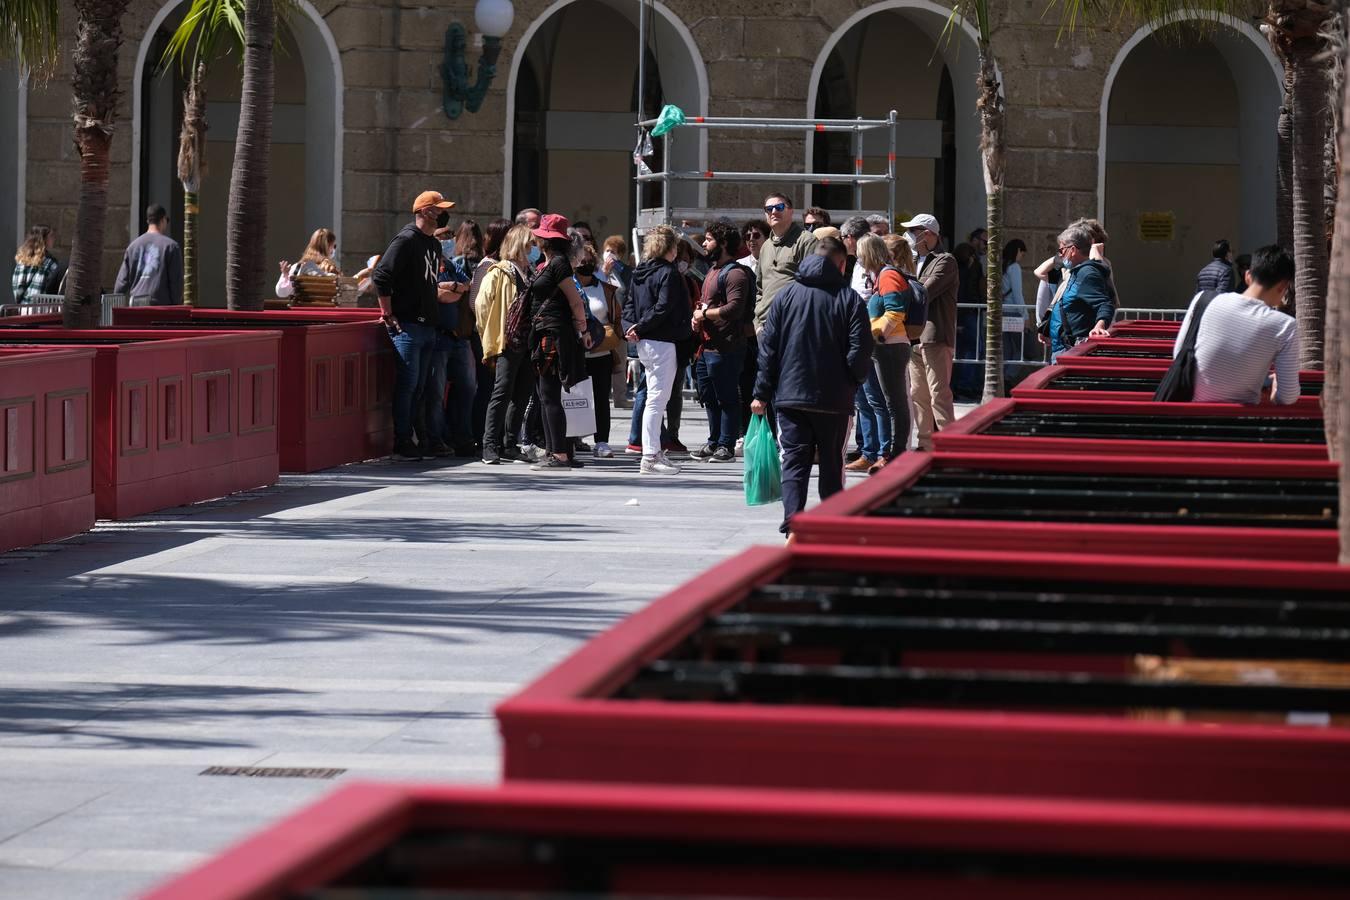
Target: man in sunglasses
[[781, 256]]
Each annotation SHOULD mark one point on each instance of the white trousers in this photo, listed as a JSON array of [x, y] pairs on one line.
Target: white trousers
[[658, 357]]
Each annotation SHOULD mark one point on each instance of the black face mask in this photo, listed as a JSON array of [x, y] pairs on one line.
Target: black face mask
[[443, 219], [587, 270]]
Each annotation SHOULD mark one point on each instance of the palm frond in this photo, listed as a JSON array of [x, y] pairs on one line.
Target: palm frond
[[30, 32], [210, 26], [1180, 18]]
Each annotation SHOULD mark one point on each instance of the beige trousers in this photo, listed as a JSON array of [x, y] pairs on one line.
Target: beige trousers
[[930, 387]]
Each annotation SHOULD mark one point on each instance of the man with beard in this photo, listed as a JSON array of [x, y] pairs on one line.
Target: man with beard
[[724, 308]]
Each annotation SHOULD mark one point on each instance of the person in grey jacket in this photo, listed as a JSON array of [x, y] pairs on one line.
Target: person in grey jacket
[[153, 264], [814, 351]]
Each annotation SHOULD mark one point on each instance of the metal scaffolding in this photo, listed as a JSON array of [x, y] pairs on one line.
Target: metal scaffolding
[[669, 214]]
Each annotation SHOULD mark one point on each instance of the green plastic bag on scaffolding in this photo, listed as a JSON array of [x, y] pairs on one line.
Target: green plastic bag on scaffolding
[[763, 474], [671, 117]]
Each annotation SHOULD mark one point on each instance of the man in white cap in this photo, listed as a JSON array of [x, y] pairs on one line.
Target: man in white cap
[[930, 366]]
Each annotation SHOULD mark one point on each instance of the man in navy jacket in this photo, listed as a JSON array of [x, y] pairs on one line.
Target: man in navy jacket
[[814, 351]]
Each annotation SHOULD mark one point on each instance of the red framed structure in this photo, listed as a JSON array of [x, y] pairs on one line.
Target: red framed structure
[[542, 840], [1146, 328], [571, 724], [46, 428], [1074, 426], [1121, 351], [179, 416], [945, 518], [1137, 382], [335, 371]]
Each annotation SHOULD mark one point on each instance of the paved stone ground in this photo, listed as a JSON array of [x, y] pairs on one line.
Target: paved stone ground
[[366, 618]]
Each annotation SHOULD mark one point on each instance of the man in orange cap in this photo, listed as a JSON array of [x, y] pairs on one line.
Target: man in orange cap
[[406, 280]]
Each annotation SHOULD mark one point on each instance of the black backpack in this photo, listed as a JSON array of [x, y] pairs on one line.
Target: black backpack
[[1178, 385], [750, 287]]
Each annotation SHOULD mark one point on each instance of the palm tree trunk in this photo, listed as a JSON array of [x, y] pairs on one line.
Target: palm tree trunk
[[191, 167], [98, 36], [246, 226], [1335, 399], [992, 117], [1284, 172]]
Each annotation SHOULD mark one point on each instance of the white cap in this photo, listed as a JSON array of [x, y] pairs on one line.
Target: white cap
[[923, 220]]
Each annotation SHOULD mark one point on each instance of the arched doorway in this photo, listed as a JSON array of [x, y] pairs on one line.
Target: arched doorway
[[13, 158], [306, 155], [938, 146], [571, 104], [1175, 176]]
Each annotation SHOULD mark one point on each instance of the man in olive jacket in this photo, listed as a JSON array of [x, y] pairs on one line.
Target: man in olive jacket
[[781, 256], [930, 365]]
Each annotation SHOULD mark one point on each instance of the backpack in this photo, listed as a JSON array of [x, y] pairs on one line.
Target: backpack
[[750, 286], [518, 324], [1178, 385], [916, 314]]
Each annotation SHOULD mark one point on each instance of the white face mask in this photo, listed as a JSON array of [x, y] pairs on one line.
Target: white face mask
[[682, 266], [333, 254]]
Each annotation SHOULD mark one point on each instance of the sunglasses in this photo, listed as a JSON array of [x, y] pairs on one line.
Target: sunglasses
[[775, 207]]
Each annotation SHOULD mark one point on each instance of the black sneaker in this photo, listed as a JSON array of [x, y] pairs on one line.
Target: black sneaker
[[512, 454], [550, 463], [575, 463], [491, 457], [704, 452], [407, 451], [723, 454]]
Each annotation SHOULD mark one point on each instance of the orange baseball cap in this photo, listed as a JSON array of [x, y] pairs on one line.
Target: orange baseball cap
[[431, 198]]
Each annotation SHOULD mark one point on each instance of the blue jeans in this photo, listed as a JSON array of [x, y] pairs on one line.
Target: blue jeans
[[874, 419], [719, 384], [412, 347], [450, 421]]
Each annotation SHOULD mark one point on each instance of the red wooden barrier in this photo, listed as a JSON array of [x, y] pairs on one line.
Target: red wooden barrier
[[987, 429], [336, 376], [1121, 351], [46, 480], [179, 416], [1137, 328], [1041, 384], [856, 516], [541, 841], [572, 725]]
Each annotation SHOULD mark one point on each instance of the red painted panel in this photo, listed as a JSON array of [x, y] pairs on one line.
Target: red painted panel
[[565, 727], [331, 411], [703, 843], [1040, 385], [46, 481], [165, 408], [257, 399]]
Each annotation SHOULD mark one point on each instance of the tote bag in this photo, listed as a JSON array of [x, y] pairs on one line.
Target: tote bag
[[579, 407]]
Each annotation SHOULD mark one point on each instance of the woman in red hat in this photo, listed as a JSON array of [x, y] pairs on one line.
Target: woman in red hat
[[559, 340]]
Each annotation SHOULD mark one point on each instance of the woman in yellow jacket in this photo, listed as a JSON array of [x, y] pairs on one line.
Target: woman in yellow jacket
[[514, 375]]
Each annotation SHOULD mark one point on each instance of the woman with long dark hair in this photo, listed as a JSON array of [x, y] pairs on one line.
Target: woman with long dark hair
[[492, 248], [558, 338], [36, 271]]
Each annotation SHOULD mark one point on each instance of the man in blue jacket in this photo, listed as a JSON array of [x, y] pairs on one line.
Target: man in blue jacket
[[814, 351], [1087, 303]]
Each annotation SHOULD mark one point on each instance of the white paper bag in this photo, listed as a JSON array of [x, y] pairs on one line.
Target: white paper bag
[[579, 406]]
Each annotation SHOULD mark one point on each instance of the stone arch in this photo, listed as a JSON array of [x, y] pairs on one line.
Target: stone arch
[[1246, 72], [960, 58], [320, 127], [684, 80]]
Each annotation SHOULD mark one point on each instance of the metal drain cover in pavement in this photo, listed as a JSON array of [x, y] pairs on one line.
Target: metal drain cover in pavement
[[273, 772]]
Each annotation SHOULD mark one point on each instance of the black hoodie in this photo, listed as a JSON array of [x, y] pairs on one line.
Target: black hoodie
[[658, 303], [816, 345], [407, 273]]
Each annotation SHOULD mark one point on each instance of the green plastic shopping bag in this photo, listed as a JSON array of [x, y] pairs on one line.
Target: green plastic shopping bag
[[763, 475]]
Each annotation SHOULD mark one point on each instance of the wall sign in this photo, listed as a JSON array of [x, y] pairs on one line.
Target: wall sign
[[1157, 226]]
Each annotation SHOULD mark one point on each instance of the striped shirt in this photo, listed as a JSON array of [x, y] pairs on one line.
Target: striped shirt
[[1240, 339]]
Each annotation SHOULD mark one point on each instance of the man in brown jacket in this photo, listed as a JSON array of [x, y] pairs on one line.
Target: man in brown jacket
[[930, 366]]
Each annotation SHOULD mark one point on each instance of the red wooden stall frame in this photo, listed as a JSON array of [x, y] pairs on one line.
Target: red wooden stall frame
[[1159, 350], [335, 371], [1146, 328], [46, 428], [565, 727], [966, 435], [1040, 385], [179, 416], [843, 519], [318, 845]]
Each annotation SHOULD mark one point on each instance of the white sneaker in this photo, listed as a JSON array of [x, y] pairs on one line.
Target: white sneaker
[[657, 465], [602, 451], [532, 452], [740, 447]]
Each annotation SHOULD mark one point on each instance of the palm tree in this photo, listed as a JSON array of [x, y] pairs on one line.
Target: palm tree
[[246, 226], [98, 37], [1336, 400], [30, 32], [992, 155]]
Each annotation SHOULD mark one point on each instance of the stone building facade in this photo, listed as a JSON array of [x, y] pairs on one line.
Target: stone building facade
[[1170, 141]]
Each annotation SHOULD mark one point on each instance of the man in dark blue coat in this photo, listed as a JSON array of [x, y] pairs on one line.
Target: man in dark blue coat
[[814, 351]]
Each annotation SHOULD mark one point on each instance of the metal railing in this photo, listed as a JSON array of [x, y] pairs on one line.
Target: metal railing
[[1020, 345], [1135, 313], [48, 304]]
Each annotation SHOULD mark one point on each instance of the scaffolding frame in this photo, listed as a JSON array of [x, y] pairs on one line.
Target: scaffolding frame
[[668, 214]]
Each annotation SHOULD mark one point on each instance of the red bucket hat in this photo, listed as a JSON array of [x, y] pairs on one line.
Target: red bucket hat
[[552, 226]]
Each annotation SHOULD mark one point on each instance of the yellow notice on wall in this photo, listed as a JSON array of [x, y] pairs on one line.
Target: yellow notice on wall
[[1157, 226]]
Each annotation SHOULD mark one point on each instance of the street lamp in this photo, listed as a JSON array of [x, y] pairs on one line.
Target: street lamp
[[493, 18]]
